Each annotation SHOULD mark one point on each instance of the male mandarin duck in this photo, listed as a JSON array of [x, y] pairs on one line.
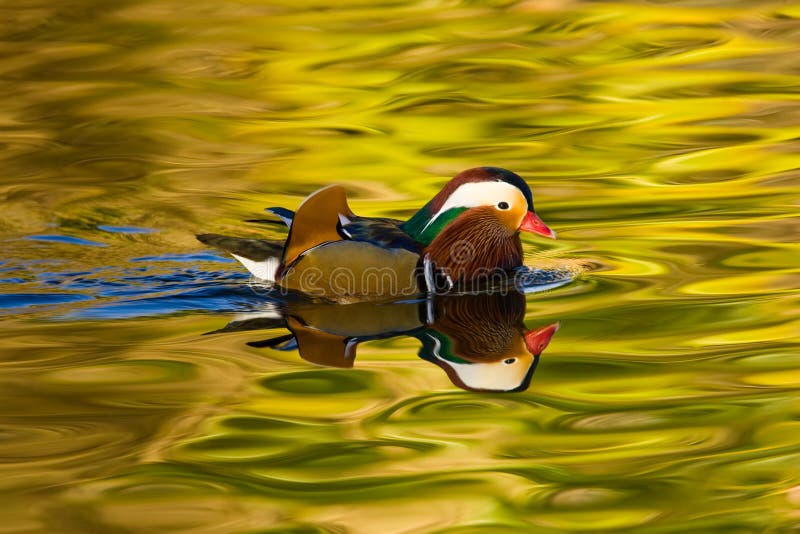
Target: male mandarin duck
[[479, 340], [467, 233]]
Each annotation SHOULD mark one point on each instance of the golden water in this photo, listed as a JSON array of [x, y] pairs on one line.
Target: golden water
[[661, 140]]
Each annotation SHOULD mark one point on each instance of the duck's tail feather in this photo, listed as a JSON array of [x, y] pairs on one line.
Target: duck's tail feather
[[260, 256], [266, 221], [257, 321], [285, 342], [283, 214], [317, 221]]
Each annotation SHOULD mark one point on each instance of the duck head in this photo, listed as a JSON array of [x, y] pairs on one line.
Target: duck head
[[493, 190], [472, 225]]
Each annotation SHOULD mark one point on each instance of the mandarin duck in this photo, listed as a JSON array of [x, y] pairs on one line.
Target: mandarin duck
[[479, 340], [467, 234]]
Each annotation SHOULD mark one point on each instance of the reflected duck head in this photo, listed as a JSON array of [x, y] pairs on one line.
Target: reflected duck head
[[482, 344]]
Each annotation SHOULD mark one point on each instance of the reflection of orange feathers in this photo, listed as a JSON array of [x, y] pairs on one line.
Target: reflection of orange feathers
[[319, 347], [482, 327]]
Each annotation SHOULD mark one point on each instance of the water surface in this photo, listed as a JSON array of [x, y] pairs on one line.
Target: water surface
[[660, 139]]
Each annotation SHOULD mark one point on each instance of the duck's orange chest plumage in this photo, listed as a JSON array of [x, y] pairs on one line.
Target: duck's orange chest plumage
[[476, 245]]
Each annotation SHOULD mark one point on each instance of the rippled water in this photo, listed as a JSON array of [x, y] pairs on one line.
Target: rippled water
[[661, 139]]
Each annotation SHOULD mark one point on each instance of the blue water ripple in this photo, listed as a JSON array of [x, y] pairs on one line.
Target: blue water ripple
[[53, 238], [196, 256], [223, 298], [24, 300], [126, 229]]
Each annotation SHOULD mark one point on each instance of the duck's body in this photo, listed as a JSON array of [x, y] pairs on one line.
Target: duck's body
[[466, 235]]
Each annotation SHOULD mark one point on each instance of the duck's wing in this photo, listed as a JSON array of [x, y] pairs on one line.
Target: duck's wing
[[324, 218], [381, 231], [261, 256], [318, 220]]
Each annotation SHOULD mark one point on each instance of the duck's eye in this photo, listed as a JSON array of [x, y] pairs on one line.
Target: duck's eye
[[502, 205], [509, 361]]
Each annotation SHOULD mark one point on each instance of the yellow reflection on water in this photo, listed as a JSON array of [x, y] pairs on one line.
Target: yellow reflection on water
[[661, 143]]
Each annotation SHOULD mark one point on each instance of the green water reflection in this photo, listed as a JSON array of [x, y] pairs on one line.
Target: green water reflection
[[661, 140]]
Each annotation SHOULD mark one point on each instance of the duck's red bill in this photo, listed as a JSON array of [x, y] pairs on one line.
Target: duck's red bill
[[537, 340], [532, 223]]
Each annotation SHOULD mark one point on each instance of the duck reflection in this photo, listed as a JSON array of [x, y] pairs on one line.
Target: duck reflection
[[480, 341]]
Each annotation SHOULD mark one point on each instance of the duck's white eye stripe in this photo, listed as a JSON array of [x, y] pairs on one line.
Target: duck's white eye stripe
[[474, 194]]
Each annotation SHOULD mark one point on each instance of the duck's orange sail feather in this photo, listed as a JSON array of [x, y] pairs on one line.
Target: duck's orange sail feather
[[316, 221]]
